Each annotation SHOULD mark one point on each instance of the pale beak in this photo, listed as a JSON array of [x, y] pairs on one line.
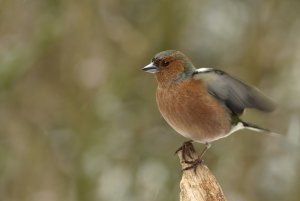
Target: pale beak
[[150, 68]]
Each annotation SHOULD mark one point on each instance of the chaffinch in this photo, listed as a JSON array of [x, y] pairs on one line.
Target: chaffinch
[[203, 104]]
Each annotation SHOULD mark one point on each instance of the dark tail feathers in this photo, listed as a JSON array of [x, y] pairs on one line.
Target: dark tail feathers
[[256, 128]]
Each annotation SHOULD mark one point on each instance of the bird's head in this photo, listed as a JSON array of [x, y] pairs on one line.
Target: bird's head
[[170, 66]]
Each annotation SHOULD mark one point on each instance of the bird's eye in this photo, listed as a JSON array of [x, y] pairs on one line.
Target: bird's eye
[[165, 63]]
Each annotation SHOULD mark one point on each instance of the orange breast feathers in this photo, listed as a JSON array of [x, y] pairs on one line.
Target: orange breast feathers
[[192, 112]]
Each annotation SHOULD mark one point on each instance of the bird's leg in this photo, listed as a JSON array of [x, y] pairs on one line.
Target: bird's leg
[[194, 164], [186, 149]]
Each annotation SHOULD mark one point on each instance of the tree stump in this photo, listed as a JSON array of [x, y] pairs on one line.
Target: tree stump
[[199, 186]]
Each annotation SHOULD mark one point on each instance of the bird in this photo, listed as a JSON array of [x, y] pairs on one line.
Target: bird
[[204, 104]]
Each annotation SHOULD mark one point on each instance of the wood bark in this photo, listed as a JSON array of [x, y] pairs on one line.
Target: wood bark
[[199, 186]]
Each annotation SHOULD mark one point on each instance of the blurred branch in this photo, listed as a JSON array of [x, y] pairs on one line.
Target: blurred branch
[[199, 186]]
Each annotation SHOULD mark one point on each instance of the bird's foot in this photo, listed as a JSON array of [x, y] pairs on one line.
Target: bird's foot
[[187, 149], [193, 164]]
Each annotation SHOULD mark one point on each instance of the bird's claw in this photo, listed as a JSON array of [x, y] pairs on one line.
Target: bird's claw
[[187, 149], [193, 164]]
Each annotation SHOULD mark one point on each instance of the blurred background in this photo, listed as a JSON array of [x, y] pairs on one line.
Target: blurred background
[[78, 116]]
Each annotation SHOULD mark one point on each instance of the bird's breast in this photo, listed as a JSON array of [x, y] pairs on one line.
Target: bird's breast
[[192, 111]]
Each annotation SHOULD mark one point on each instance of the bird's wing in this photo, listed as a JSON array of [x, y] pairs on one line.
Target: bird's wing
[[235, 94]]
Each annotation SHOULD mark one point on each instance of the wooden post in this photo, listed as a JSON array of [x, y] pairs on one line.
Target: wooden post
[[199, 186]]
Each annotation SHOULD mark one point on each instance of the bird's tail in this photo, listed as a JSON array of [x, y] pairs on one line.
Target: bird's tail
[[256, 128]]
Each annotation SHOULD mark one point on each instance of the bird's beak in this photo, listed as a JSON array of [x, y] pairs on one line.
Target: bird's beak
[[150, 68]]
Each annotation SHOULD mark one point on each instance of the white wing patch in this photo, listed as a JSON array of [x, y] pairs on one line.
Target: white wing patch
[[203, 70]]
